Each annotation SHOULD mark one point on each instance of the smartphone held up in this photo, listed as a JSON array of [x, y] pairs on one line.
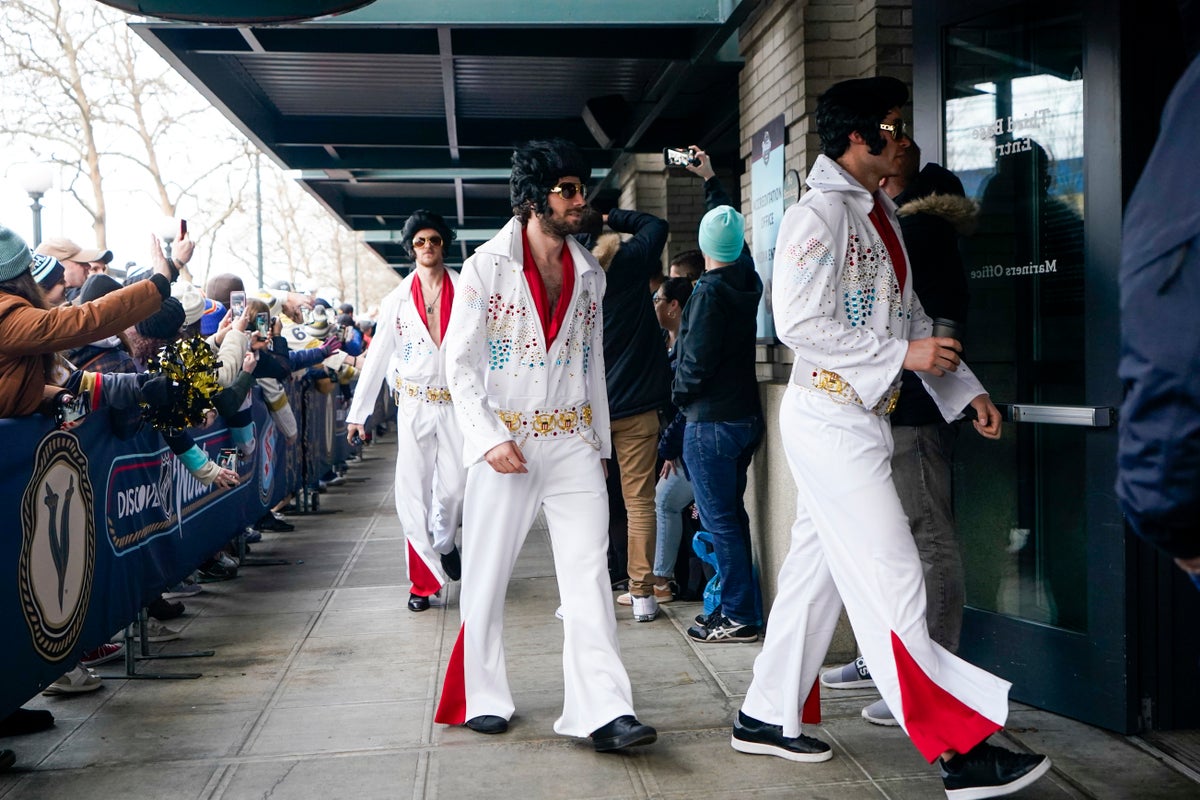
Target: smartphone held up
[[680, 157]]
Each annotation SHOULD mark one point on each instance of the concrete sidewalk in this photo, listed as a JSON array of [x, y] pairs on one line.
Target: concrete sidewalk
[[324, 685]]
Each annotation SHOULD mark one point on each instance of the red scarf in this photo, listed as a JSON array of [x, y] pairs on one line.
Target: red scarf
[[891, 241], [551, 325], [446, 303]]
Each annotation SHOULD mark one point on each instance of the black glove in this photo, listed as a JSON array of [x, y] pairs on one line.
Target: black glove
[[159, 391]]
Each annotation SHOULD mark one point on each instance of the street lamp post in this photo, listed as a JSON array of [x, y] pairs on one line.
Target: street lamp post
[[36, 180]]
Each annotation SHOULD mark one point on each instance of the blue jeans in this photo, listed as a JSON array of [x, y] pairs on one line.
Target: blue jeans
[[718, 457], [671, 496]]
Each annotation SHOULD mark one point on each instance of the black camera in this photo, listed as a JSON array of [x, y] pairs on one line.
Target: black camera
[[356, 441], [674, 157]]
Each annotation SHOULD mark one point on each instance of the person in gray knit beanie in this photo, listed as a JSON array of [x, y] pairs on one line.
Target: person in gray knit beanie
[[15, 255]]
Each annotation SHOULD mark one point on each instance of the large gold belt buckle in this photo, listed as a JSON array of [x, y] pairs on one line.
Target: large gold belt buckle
[[543, 422], [567, 420], [511, 420], [830, 382], [431, 394]]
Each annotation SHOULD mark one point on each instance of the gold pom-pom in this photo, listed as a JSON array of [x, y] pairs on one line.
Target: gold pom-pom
[[192, 369]]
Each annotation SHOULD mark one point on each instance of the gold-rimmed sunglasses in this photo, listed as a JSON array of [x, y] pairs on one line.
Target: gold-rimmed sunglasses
[[896, 128], [568, 190], [421, 241]]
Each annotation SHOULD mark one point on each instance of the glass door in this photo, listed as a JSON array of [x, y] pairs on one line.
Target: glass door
[[1042, 537]]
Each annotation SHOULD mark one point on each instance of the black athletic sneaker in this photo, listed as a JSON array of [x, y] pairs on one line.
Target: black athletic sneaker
[[760, 738], [721, 628], [989, 771]]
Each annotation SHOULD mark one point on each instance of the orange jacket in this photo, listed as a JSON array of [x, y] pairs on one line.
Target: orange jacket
[[27, 333]]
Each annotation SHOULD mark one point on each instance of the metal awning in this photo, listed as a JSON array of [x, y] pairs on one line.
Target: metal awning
[[403, 104]]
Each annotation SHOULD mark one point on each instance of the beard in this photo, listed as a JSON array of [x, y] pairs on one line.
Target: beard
[[560, 227]]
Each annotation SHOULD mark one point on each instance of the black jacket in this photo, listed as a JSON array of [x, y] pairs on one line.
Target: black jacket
[[715, 380], [635, 361], [933, 213]]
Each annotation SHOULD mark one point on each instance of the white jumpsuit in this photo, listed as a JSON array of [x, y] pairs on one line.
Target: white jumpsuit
[[839, 305], [508, 386], [430, 477]]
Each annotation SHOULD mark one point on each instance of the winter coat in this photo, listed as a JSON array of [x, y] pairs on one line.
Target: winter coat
[[636, 365], [715, 377], [1158, 479], [27, 333], [933, 214]]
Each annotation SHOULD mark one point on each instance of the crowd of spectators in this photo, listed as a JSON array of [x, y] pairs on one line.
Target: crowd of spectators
[[78, 335]]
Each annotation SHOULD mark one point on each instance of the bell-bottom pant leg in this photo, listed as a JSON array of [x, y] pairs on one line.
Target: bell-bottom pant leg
[[596, 685], [840, 456], [449, 481], [801, 626], [498, 511], [416, 459]]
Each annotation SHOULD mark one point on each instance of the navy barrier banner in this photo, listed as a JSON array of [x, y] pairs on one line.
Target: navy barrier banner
[[95, 527]]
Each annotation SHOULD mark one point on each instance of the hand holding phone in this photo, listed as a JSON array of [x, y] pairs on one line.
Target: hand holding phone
[[679, 157], [262, 324], [228, 458], [237, 303]]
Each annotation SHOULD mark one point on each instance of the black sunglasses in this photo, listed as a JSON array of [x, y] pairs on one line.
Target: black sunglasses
[[568, 189]]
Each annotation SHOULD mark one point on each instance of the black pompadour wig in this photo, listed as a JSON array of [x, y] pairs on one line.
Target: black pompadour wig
[[857, 105], [536, 168], [419, 220]]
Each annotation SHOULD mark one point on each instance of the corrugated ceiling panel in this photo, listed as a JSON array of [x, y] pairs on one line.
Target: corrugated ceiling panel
[[349, 84], [502, 86]]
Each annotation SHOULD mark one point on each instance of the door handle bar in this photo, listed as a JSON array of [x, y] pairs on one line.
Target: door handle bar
[[1083, 416]]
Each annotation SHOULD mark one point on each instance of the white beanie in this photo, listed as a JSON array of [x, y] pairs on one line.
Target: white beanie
[[192, 300]]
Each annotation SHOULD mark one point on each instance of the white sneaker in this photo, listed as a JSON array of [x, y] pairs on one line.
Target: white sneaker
[[878, 713], [645, 609], [79, 680], [158, 632]]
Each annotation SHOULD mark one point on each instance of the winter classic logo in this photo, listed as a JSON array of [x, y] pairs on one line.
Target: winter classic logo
[[58, 546]]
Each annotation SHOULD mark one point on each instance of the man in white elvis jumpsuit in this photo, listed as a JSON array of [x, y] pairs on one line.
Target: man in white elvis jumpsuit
[[525, 361], [407, 351], [844, 303]]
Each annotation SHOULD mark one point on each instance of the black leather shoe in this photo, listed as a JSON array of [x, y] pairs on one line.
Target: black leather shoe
[[487, 723], [452, 563], [26, 720], [418, 603], [162, 609], [622, 732], [270, 523]]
